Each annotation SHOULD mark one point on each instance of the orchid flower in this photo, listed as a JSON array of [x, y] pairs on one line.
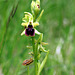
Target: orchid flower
[[29, 25]]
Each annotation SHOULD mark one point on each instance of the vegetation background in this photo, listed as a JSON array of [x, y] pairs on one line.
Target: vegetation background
[[58, 26]]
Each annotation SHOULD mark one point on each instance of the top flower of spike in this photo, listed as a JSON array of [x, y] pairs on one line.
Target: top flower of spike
[[29, 25]]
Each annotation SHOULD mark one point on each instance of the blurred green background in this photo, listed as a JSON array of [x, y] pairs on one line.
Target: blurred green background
[[58, 26]]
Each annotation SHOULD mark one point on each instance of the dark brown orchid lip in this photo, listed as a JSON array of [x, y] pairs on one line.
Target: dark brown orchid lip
[[30, 31]]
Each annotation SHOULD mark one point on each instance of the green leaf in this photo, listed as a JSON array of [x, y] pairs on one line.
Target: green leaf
[[43, 63], [40, 16]]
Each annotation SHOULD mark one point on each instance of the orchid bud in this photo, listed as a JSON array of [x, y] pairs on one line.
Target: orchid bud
[[35, 7], [38, 2]]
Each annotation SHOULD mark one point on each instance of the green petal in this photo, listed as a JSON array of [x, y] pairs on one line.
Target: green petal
[[28, 13], [25, 24], [35, 24]]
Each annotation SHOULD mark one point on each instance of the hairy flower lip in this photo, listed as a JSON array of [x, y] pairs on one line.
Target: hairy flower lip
[[30, 31]]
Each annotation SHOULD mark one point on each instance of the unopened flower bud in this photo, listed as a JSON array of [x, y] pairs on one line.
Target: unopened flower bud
[[38, 2], [35, 7]]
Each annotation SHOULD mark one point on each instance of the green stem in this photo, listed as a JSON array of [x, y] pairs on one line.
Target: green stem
[[28, 69], [35, 56], [35, 18]]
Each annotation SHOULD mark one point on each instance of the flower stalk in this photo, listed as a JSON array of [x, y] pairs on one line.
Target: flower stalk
[[28, 70], [35, 56]]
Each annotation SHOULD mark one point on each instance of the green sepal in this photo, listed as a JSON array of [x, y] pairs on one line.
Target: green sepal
[[26, 18], [30, 16]]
